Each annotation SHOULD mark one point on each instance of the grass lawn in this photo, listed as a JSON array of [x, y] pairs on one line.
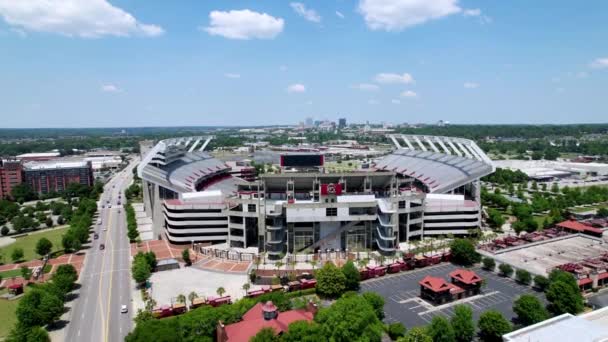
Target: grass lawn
[[17, 272], [7, 313], [28, 243]]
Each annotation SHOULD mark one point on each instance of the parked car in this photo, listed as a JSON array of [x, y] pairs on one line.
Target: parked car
[[102, 246], [95, 236]]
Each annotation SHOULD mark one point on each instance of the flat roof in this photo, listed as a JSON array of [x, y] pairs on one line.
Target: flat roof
[[54, 164], [563, 328], [39, 154]]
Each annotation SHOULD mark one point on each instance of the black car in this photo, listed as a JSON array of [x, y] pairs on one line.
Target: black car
[[102, 246], [96, 236]]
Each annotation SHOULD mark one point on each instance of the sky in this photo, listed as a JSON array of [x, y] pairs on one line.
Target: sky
[[124, 63]]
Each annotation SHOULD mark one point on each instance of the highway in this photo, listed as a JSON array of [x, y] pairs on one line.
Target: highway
[[106, 277]]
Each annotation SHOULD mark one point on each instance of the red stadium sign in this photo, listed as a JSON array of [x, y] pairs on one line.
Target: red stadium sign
[[331, 189]]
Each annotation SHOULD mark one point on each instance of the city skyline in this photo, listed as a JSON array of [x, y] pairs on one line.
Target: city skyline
[[126, 64]]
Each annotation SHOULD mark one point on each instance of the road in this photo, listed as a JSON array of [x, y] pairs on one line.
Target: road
[[106, 278]]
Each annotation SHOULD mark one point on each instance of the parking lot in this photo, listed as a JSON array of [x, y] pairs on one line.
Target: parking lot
[[402, 303]]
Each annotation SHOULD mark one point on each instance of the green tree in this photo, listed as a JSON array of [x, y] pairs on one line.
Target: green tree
[[220, 291], [65, 277], [38, 308], [416, 334], [602, 212], [44, 246], [303, 331], [4, 231], [186, 256], [492, 325], [23, 193], [523, 276], [541, 282], [26, 273], [331, 282], [48, 222], [463, 252], [462, 323], [350, 318], [489, 264], [440, 330], [180, 298], [140, 270], [563, 298], [22, 333], [352, 276], [143, 316], [17, 254], [505, 270], [376, 301], [529, 310], [192, 296], [395, 330], [265, 335]]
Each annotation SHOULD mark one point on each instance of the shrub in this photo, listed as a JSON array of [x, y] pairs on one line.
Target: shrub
[[489, 264], [523, 276], [395, 330], [541, 282], [505, 270]]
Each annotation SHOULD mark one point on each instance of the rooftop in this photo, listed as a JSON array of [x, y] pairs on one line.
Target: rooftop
[[54, 164], [466, 276]]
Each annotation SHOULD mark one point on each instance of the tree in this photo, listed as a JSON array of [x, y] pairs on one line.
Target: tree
[[23, 193], [523, 276], [563, 298], [331, 282], [181, 298], [303, 331], [440, 330], [350, 318], [151, 259], [65, 277], [529, 310], [416, 334], [246, 287], [505, 270], [462, 323], [140, 270], [541, 282], [555, 188], [489, 264], [17, 254], [48, 222], [492, 325], [186, 256], [463, 252], [352, 276], [26, 273], [220, 291], [38, 308], [44, 246], [602, 212], [395, 330], [192, 296], [21, 333], [376, 302], [143, 316], [4, 231], [265, 335]]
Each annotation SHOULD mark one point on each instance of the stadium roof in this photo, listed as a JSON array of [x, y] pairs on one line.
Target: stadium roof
[[441, 163]]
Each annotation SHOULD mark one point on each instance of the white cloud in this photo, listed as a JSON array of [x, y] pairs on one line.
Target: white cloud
[[110, 88], [365, 86], [296, 88], [474, 12], [395, 101], [405, 78], [339, 14], [75, 18], [372, 102], [471, 85], [600, 63], [244, 24], [19, 32], [409, 94], [306, 13], [231, 75], [396, 15]]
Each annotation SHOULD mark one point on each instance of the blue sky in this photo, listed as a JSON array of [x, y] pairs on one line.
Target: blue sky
[[166, 63]]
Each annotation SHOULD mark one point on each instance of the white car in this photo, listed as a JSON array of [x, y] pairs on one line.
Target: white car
[[123, 309], [98, 221]]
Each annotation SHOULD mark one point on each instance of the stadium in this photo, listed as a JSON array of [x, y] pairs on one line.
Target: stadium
[[428, 186]]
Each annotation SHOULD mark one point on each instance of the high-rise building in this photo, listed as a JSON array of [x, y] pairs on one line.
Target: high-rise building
[[10, 176], [342, 122], [308, 122], [55, 175]]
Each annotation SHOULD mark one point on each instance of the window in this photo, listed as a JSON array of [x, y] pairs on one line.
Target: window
[[251, 208], [401, 204], [331, 211]]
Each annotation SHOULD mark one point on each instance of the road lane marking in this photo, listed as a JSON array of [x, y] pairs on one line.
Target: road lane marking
[[111, 285], [103, 263]]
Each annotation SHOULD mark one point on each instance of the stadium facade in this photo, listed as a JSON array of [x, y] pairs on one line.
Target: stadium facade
[[429, 186]]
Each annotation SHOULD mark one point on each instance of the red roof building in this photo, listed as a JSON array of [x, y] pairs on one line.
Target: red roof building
[[438, 290], [467, 280], [577, 227], [263, 315]]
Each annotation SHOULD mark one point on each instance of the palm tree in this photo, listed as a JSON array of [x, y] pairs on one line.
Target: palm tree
[[278, 265], [181, 298], [220, 291], [246, 287], [313, 263], [192, 296]]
